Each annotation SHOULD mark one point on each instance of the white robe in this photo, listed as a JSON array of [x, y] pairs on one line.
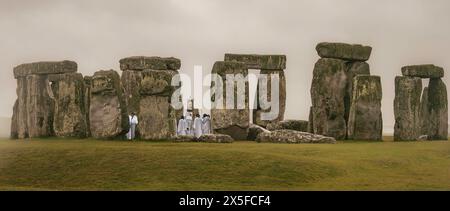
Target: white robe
[[189, 130], [182, 127], [197, 127], [206, 127]]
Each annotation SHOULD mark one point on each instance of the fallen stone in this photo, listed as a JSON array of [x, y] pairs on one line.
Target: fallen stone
[[254, 131], [215, 138], [253, 61], [328, 91], [365, 119], [297, 125], [344, 51], [45, 68], [154, 63], [184, 138], [70, 111], [407, 108], [293, 137], [230, 121], [107, 115], [438, 110], [423, 71]]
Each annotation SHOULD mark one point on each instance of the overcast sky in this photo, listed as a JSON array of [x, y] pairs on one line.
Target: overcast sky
[[97, 33]]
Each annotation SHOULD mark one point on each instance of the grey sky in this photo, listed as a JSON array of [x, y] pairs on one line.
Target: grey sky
[[97, 33]]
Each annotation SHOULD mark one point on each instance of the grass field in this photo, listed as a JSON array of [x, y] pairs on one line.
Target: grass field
[[114, 165]]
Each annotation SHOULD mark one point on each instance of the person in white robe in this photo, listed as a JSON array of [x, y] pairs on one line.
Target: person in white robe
[[189, 130], [133, 120], [182, 127], [197, 126], [206, 126]]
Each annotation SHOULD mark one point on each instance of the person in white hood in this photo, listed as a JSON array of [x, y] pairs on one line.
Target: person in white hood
[[182, 127], [197, 126], [133, 119]]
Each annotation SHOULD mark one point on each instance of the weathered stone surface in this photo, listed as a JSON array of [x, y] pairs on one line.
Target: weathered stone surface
[[21, 111], [230, 121], [281, 100], [153, 63], [253, 61], [45, 68], [70, 111], [327, 92], [254, 131], [438, 110], [344, 51], [131, 82], [39, 106], [87, 102], [353, 69], [297, 125], [215, 138], [423, 71], [424, 113], [184, 138], [108, 114], [407, 108], [155, 119], [14, 134], [157, 82], [293, 137], [365, 120], [311, 120]]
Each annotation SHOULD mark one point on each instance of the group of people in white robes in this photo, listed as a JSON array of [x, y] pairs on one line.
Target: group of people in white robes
[[196, 127]]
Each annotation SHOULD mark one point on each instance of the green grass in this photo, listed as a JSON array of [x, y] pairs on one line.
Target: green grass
[[50, 164]]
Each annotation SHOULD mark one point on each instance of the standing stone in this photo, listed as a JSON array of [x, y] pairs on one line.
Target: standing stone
[[407, 108], [438, 110], [87, 102], [365, 119], [39, 106], [328, 91], [353, 69], [231, 121], [311, 121], [70, 111], [281, 100], [424, 114], [107, 115], [344, 51], [131, 81], [156, 115], [14, 121], [21, 112]]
